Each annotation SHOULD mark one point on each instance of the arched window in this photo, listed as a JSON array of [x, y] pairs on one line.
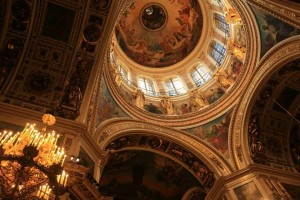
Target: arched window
[[175, 86], [200, 75], [220, 3], [146, 85], [123, 72], [217, 52], [221, 23]]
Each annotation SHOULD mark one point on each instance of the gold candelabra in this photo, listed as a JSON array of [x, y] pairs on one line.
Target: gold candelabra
[[31, 162]]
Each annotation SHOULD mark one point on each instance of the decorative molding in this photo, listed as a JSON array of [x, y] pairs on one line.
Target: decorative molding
[[116, 128]]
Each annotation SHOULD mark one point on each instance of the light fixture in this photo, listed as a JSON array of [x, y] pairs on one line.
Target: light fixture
[[31, 162]]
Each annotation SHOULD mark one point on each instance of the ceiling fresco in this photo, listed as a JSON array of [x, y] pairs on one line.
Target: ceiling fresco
[[159, 33], [145, 175]]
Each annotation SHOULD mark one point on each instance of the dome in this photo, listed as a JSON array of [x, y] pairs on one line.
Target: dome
[[178, 60], [159, 33]]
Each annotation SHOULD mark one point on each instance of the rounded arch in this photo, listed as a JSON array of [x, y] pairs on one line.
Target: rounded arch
[[115, 128], [279, 55]]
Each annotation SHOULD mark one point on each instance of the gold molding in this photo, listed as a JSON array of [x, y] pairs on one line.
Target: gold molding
[[115, 128]]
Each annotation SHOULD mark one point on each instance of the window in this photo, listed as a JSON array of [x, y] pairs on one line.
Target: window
[[221, 23], [146, 85], [220, 3], [123, 72], [175, 86], [217, 52], [200, 75]]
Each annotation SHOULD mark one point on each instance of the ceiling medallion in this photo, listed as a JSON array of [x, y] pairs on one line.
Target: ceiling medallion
[[153, 17]]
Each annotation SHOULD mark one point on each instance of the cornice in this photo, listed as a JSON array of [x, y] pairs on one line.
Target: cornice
[[20, 116], [254, 169]]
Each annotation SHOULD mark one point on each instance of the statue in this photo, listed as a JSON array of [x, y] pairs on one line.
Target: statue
[[198, 98], [235, 49], [167, 105], [73, 97], [233, 17], [139, 99], [118, 77], [223, 78]]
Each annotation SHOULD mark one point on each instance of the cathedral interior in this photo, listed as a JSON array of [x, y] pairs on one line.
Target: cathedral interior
[[160, 99]]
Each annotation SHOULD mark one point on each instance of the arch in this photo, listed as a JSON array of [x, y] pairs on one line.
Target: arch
[[279, 55], [114, 128]]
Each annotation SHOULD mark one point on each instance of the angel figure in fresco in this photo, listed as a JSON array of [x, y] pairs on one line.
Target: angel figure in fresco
[[218, 136], [277, 31], [168, 106], [139, 99]]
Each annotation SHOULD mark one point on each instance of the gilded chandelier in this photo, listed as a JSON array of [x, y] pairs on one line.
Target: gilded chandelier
[[31, 163]]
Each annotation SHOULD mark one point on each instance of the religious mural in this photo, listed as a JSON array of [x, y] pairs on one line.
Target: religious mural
[[236, 68], [248, 191], [272, 30], [215, 133], [107, 106], [165, 34], [142, 175]]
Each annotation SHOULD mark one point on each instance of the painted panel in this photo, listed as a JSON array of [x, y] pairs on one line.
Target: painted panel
[[215, 132], [107, 106], [248, 191], [272, 30]]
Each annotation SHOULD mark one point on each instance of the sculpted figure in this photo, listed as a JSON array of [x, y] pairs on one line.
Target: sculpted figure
[[198, 98], [233, 17], [236, 50], [223, 78], [118, 77], [168, 106], [73, 96], [139, 99]]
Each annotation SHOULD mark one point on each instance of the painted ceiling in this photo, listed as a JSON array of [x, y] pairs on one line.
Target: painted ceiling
[[145, 175], [159, 33]]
